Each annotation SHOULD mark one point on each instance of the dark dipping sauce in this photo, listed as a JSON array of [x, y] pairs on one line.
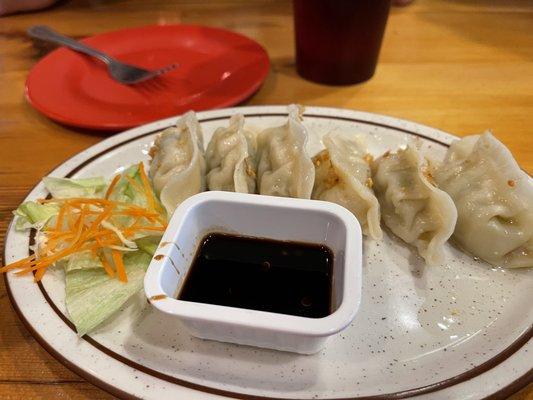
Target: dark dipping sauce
[[261, 274]]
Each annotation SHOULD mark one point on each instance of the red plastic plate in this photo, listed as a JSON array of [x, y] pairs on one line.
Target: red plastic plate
[[218, 68]]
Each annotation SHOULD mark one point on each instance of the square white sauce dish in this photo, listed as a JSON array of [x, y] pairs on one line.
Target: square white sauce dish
[[263, 222]]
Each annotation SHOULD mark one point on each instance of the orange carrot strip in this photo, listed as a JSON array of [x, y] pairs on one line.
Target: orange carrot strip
[[84, 200], [57, 234], [91, 212], [104, 243], [147, 187], [154, 205], [60, 217], [102, 202], [76, 243], [39, 274], [80, 223], [145, 228], [137, 213], [106, 213], [119, 265], [99, 234], [111, 186], [17, 264], [107, 267], [98, 241], [45, 249], [77, 200], [150, 219], [110, 241], [49, 260], [134, 183], [80, 230], [139, 208], [71, 221], [134, 225]]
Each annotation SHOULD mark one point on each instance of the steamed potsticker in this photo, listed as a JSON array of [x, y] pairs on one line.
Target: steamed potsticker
[[177, 165], [494, 200], [412, 207], [230, 158], [285, 169], [343, 176]]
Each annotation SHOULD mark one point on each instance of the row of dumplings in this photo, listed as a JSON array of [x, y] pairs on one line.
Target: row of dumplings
[[478, 194]]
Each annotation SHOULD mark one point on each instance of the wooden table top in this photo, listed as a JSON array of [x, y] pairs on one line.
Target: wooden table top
[[457, 65]]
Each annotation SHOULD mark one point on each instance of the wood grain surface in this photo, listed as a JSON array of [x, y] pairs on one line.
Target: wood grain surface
[[459, 65]]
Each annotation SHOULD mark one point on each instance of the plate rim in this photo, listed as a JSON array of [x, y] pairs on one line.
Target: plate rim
[[100, 148], [118, 127]]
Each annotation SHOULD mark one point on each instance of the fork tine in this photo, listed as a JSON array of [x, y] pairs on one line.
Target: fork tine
[[149, 86], [166, 69], [149, 75], [156, 83], [144, 89], [161, 82]]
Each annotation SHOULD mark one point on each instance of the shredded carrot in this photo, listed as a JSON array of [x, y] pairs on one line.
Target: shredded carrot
[[71, 220], [102, 244], [147, 189], [107, 267], [77, 202], [144, 228], [135, 224], [60, 216], [119, 265], [74, 201], [17, 264], [100, 234], [105, 243], [99, 219], [134, 183], [112, 186], [52, 234], [45, 262], [39, 274], [78, 228], [137, 213]]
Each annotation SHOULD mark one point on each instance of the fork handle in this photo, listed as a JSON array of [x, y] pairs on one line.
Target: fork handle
[[45, 33]]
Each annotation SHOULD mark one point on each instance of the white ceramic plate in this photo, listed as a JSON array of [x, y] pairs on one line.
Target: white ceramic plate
[[458, 330]]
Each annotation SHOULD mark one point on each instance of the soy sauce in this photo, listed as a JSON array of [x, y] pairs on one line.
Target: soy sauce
[[261, 274]]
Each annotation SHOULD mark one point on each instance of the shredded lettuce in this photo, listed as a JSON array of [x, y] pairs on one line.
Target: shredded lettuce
[[34, 215], [128, 192], [132, 193], [62, 188], [148, 244], [92, 297], [82, 260]]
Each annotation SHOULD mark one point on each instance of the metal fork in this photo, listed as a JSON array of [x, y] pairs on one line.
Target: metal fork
[[121, 72]]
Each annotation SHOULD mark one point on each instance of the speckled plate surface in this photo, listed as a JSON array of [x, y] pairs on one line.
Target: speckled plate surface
[[458, 330]]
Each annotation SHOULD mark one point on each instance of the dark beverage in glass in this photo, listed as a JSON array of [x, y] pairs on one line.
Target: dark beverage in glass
[[338, 41]]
